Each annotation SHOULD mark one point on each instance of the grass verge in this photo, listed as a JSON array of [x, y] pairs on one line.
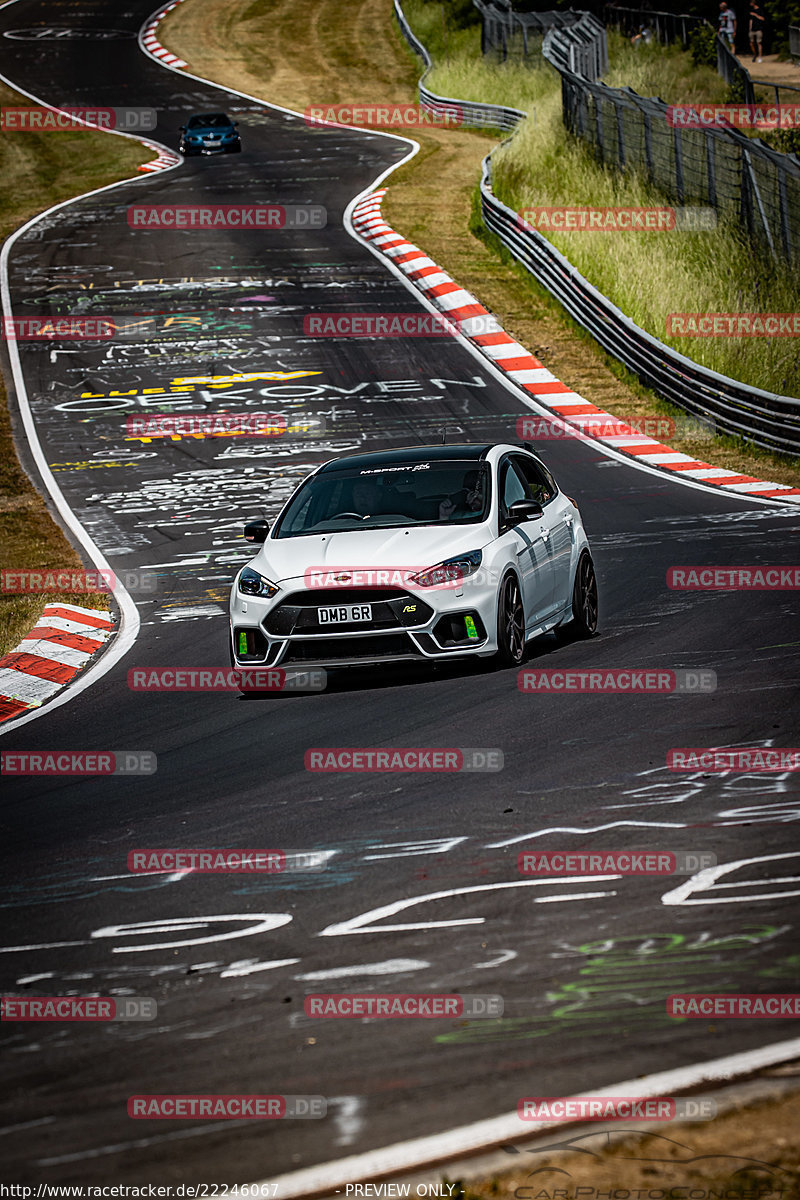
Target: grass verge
[[297, 54], [46, 168]]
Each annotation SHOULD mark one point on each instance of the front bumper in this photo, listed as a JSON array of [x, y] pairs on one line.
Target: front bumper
[[426, 625]]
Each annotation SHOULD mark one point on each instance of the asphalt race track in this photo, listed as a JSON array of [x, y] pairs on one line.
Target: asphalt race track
[[583, 965]]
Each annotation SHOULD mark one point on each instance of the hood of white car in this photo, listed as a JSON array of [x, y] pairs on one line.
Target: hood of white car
[[368, 549]]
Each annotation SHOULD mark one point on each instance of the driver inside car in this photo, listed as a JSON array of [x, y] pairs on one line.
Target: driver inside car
[[467, 500]]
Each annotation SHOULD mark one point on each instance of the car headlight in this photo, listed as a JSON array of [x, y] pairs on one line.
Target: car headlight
[[253, 584], [451, 571]]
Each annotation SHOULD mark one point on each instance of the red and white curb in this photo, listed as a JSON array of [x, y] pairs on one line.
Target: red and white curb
[[528, 372], [59, 647], [165, 158], [150, 41]]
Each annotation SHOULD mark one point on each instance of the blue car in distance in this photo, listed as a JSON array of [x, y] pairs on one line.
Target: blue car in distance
[[210, 133]]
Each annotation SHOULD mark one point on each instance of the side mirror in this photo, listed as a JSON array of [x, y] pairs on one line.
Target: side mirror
[[234, 123], [524, 510], [182, 128], [256, 531]]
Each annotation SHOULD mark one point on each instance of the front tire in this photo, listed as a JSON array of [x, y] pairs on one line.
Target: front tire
[[510, 624]]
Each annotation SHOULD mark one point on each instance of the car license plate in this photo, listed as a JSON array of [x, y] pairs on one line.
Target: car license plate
[[343, 614]]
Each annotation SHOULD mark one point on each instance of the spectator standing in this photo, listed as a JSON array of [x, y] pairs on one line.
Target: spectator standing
[[756, 31], [727, 24]]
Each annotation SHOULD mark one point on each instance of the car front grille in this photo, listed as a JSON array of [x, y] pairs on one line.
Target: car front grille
[[297, 615]]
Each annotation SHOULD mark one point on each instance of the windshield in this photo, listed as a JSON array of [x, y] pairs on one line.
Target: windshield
[[212, 121], [435, 493]]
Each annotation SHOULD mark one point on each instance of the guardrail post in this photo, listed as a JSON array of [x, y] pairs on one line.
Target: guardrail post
[[711, 169], [786, 231], [676, 141], [648, 143]]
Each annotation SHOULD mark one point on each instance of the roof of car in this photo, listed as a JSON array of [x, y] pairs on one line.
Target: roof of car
[[454, 452]]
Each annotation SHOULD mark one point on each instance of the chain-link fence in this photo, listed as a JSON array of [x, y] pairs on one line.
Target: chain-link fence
[[794, 42], [664, 27], [506, 32], [740, 177]]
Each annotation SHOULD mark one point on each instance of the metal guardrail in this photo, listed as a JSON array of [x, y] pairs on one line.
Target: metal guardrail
[[735, 75], [473, 114], [764, 418], [581, 49]]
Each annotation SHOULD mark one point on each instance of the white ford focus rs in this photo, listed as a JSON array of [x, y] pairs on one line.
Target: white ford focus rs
[[426, 553]]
